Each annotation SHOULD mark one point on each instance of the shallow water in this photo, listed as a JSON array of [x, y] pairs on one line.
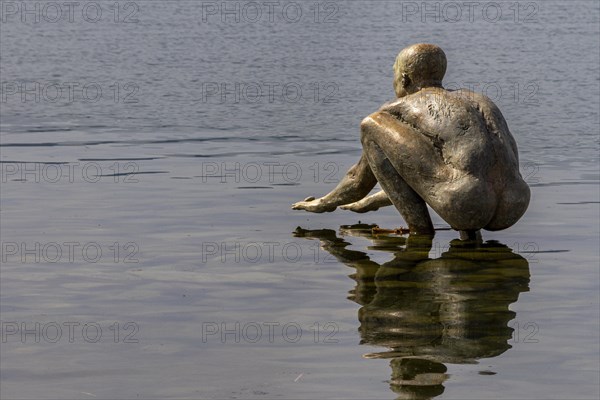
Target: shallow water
[[159, 213]]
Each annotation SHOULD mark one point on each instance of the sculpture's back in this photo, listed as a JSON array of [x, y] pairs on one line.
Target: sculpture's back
[[469, 135]]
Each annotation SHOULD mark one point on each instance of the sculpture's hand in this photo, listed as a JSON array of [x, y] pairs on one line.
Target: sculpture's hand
[[311, 204], [361, 206], [370, 203]]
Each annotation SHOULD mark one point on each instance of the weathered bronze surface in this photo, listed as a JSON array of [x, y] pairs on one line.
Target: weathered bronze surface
[[451, 150]]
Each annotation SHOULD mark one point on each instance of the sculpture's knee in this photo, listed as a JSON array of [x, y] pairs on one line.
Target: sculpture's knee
[[367, 127]]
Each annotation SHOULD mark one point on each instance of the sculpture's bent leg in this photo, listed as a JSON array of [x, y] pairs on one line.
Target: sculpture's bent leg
[[410, 205], [376, 147]]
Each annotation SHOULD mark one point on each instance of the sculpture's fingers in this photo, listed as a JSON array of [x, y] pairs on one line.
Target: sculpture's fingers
[[299, 206], [354, 207], [309, 198], [350, 206]]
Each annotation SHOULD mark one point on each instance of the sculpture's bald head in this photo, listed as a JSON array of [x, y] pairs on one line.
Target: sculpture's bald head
[[418, 66]]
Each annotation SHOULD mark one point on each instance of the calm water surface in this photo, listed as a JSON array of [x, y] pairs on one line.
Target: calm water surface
[[148, 245]]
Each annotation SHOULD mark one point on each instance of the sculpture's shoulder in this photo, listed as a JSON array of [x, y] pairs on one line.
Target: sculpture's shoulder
[[437, 112], [489, 110], [447, 113], [494, 120], [436, 103]]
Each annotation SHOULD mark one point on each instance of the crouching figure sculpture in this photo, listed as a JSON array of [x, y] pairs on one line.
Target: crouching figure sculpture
[[451, 150]]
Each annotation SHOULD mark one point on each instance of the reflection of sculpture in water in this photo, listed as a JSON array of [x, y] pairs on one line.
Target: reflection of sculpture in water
[[451, 150], [450, 309]]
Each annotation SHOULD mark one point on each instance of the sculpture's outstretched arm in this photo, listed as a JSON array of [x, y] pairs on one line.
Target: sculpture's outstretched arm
[[357, 183], [370, 203]]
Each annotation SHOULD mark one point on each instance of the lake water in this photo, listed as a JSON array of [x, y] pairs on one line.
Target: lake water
[[149, 161]]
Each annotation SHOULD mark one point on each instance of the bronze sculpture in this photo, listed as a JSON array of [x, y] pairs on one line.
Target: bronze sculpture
[[451, 150]]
